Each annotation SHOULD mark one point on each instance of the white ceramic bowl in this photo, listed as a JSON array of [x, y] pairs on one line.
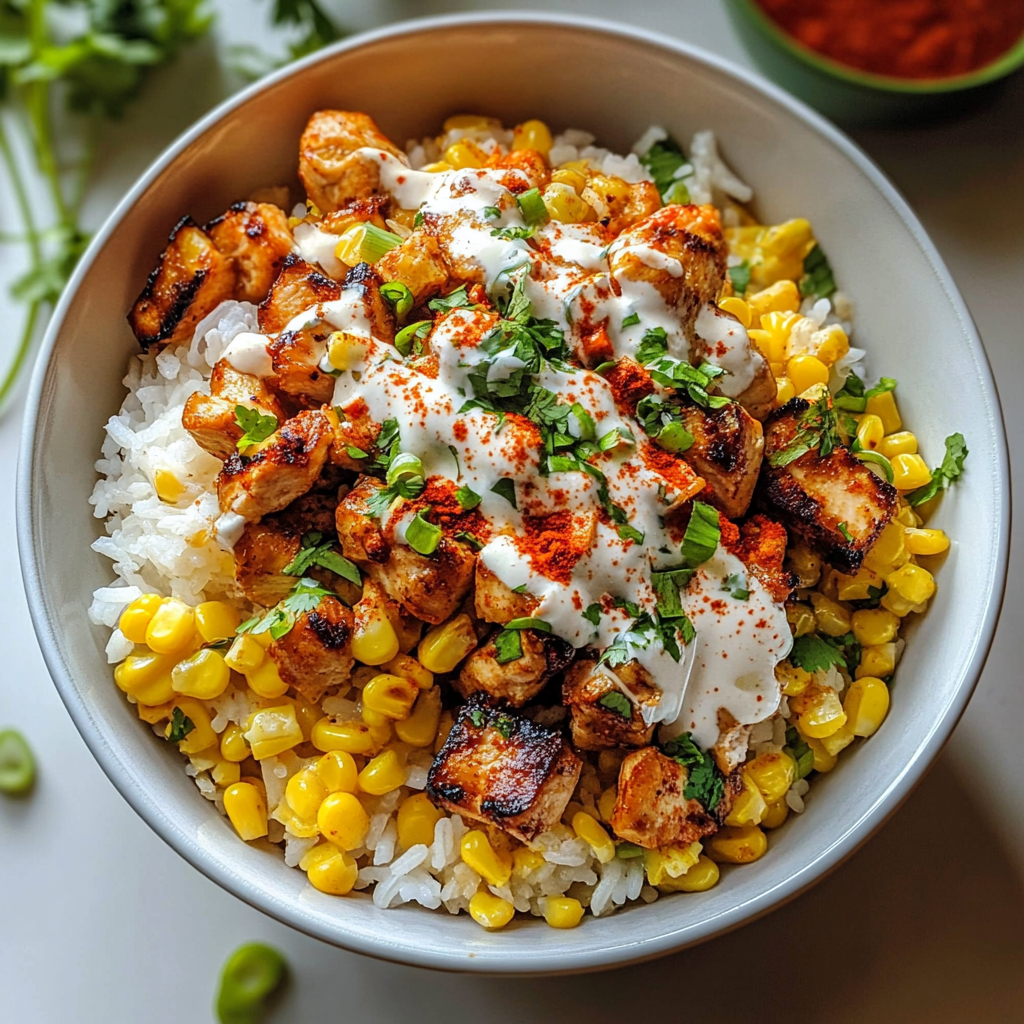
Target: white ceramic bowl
[[614, 81]]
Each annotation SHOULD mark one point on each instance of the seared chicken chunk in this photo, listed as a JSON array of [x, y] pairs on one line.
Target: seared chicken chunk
[[316, 653], [191, 278], [353, 428], [816, 496], [330, 166], [298, 287], [640, 201], [733, 739], [257, 238], [418, 264], [519, 680], [598, 723], [651, 808], [497, 602], [285, 468], [760, 544], [499, 767]]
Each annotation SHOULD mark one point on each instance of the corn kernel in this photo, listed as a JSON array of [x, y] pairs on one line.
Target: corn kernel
[[575, 179], [469, 123], [420, 728], [272, 731], [866, 704], [562, 911], [372, 718], [738, 308], [146, 677], [877, 661], [702, 876], [464, 153], [172, 629], [136, 617], [330, 870], [670, 862], [232, 744], [859, 587], [794, 679], [772, 335], [490, 911], [900, 606], [225, 773], [870, 432], [737, 845], [749, 807], [436, 167], [829, 344], [203, 675], [345, 351], [773, 774], [155, 713], [805, 372], [352, 737], [409, 668], [390, 696], [525, 861], [167, 486], [246, 810], [606, 803], [822, 714], [884, 406], [901, 443], [775, 815], [416, 819], [382, 774], [201, 736], [564, 204], [265, 680], [374, 640], [343, 820], [307, 714], [913, 583], [823, 760], [478, 853], [889, 551], [245, 654], [532, 135], [216, 620], [781, 297], [926, 542], [446, 645], [305, 792], [874, 626], [832, 618], [337, 771], [839, 740], [784, 390], [909, 472], [593, 833]]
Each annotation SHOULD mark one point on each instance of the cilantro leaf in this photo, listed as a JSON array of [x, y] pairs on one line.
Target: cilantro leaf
[[467, 498], [255, 426], [592, 613], [631, 320], [736, 584], [653, 345], [458, 299], [817, 281], [951, 469], [508, 646], [304, 597], [315, 551], [740, 277], [814, 653], [506, 487], [663, 160], [703, 531], [817, 427], [704, 781], [181, 725], [618, 702], [669, 585], [515, 232], [845, 531]]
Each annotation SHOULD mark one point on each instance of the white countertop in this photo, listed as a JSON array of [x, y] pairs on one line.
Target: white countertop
[[101, 922]]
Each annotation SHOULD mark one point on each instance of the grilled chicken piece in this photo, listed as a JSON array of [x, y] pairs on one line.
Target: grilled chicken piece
[[692, 235], [519, 680], [191, 278], [532, 164], [372, 210], [353, 428], [316, 653], [500, 768], [640, 202], [285, 468], [362, 287], [731, 749], [679, 482], [257, 238], [298, 287], [651, 809], [760, 544], [496, 602], [814, 496], [211, 419], [418, 264], [727, 447], [597, 726], [362, 539], [331, 169]]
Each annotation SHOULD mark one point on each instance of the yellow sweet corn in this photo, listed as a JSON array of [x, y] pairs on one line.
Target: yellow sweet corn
[[606, 803], [446, 645], [225, 773], [532, 135], [913, 583], [470, 122], [858, 587], [345, 351], [823, 760], [794, 680], [735, 306], [216, 620], [805, 372], [437, 167], [409, 668], [821, 713], [901, 443], [494, 868], [203, 675], [416, 819], [877, 660], [866, 704], [265, 680], [146, 677], [381, 734], [246, 810], [382, 774], [420, 728], [564, 204], [338, 772], [737, 845], [775, 815], [574, 177], [464, 153], [889, 552], [702, 876], [592, 832], [781, 297], [490, 911], [305, 792], [839, 740], [201, 736], [154, 714], [562, 911], [172, 629], [232, 744], [909, 472], [136, 617], [874, 626], [772, 335], [870, 432], [390, 696], [343, 820], [272, 731], [884, 406], [374, 640], [167, 485], [374, 719], [784, 390], [926, 542], [525, 860], [245, 654], [772, 773], [670, 862], [832, 618], [330, 870]]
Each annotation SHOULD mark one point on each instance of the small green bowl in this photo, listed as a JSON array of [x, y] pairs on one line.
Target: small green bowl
[[854, 97]]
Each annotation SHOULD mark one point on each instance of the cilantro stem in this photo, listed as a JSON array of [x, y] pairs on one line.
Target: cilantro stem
[[24, 346], [21, 197]]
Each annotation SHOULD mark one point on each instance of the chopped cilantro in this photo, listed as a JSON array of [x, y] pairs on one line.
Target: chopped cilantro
[[740, 277], [458, 299], [798, 749], [704, 781], [817, 427], [255, 426], [356, 453], [504, 724], [314, 550], [615, 437], [491, 212], [631, 321], [469, 538], [618, 702], [417, 221], [521, 589], [305, 596], [653, 345], [950, 470], [181, 725], [663, 160], [467, 498], [514, 232], [845, 531], [817, 281], [592, 613], [853, 396], [700, 541], [816, 653], [669, 585], [508, 646], [736, 584], [506, 487], [477, 717]]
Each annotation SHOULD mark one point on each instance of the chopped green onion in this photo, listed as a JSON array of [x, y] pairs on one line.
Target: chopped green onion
[[408, 336], [17, 765], [531, 206], [471, 539], [740, 277], [467, 498], [250, 977], [366, 244], [627, 851], [422, 536], [879, 460], [702, 534], [399, 296], [405, 467]]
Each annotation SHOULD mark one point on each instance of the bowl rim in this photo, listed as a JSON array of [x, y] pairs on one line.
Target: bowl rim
[[380, 945], [1005, 64]]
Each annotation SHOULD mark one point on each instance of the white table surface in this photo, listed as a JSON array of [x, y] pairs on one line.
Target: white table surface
[[101, 922]]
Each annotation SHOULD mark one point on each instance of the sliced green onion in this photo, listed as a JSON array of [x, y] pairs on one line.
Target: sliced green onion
[[531, 206], [879, 460], [626, 851], [17, 765], [702, 534], [467, 498], [422, 536], [399, 296], [365, 243], [529, 623], [250, 977], [405, 467], [408, 336]]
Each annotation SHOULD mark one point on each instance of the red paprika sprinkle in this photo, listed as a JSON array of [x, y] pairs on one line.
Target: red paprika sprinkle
[[904, 38]]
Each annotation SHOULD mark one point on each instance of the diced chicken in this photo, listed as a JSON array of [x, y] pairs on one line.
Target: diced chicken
[[500, 768], [731, 749], [361, 287], [599, 723], [529, 162], [372, 210], [362, 539], [353, 428], [298, 287], [521, 679], [816, 496], [651, 808], [296, 357], [257, 238], [212, 420], [642, 201], [191, 278], [497, 602], [316, 653], [418, 264], [678, 481], [691, 236], [728, 444], [760, 544], [285, 468], [330, 166]]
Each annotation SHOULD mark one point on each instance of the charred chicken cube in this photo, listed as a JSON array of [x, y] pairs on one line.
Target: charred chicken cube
[[191, 278], [355, 434], [297, 288], [316, 653], [835, 502], [418, 264], [603, 716], [285, 468], [515, 680], [257, 238], [499, 767], [760, 543], [496, 601]]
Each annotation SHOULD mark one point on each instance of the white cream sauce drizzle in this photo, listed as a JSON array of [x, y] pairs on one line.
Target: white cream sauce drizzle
[[247, 353]]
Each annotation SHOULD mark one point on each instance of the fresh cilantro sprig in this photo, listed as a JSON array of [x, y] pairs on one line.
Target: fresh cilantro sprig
[[740, 277], [305, 596], [817, 281], [645, 629], [704, 782], [664, 161], [618, 702], [255, 426], [816, 652], [817, 427], [508, 643], [310, 26], [853, 395], [180, 726], [314, 550], [951, 469]]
